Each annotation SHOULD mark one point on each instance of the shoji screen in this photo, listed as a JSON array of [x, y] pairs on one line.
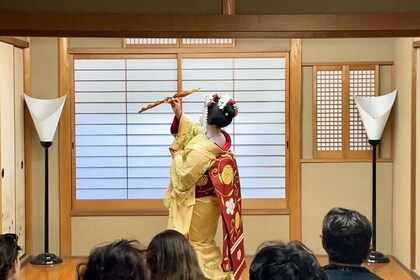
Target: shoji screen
[[121, 154], [7, 100], [259, 131]]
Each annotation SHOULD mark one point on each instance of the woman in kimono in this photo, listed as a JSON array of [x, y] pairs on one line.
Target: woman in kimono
[[205, 184]]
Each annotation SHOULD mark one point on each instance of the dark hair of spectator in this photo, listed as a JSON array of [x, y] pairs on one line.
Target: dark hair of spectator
[[171, 257], [122, 260], [279, 261], [346, 236], [9, 251]]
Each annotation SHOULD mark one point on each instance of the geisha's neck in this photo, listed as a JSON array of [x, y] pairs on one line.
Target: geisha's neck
[[215, 134]]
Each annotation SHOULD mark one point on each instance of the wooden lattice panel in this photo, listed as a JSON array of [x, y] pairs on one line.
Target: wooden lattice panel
[[207, 42], [150, 42], [329, 110], [362, 83]]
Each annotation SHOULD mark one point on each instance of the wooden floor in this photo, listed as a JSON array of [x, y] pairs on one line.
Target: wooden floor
[[67, 270]]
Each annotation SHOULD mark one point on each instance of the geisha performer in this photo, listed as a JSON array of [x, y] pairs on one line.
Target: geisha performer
[[205, 184]]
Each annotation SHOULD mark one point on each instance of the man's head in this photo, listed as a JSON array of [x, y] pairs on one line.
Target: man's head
[[9, 256], [279, 261], [346, 236]]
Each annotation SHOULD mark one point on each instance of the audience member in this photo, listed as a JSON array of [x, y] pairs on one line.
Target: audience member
[[346, 236], [171, 257], [122, 260], [9, 260], [279, 261]]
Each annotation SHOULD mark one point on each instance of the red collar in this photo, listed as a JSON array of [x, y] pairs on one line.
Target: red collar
[[228, 143]]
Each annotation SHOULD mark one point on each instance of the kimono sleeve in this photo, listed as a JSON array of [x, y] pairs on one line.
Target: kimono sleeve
[[187, 169], [187, 130]]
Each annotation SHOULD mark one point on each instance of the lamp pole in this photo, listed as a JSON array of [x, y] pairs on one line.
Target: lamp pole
[[46, 258], [46, 145], [375, 256]]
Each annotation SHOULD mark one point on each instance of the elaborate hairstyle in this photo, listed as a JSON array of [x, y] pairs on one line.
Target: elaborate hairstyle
[[122, 260], [221, 109], [346, 236], [279, 261], [171, 257], [9, 251]]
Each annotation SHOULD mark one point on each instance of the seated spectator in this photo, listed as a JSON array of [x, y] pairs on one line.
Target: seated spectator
[[279, 261], [171, 257], [9, 260], [346, 236], [122, 260]]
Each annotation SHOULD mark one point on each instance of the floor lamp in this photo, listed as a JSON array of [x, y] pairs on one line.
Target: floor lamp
[[45, 114], [374, 112]]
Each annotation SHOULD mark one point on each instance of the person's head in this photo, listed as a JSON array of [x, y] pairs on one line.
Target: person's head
[[219, 110], [9, 260], [280, 261], [171, 257], [122, 260], [346, 236]]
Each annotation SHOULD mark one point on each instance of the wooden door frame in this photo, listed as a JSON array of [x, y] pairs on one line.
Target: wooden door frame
[[27, 87], [413, 158]]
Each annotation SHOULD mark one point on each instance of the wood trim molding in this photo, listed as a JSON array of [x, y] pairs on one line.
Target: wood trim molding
[[295, 140], [416, 44], [413, 160], [27, 87], [344, 160], [210, 26], [18, 43], [350, 63], [65, 151], [138, 51]]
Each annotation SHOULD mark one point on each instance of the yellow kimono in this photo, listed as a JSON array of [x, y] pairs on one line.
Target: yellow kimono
[[198, 218]]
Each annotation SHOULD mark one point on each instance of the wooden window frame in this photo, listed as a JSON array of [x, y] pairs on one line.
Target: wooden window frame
[[345, 153], [154, 207]]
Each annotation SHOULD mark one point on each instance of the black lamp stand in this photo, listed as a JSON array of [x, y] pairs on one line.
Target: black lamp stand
[[46, 258], [375, 256]]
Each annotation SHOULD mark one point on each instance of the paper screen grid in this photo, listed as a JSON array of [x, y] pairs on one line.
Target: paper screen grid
[[362, 83], [120, 154], [329, 109]]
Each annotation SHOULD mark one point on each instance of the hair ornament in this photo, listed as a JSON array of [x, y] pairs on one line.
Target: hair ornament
[[220, 100]]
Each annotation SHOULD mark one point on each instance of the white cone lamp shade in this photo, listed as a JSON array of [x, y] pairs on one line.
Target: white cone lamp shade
[[374, 112], [45, 114]]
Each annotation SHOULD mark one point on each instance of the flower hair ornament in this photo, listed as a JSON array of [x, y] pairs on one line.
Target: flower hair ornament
[[221, 101]]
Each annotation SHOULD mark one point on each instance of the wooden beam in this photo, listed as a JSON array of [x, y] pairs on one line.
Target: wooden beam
[[413, 160], [134, 51], [65, 150], [228, 7], [232, 26], [18, 43], [294, 188], [27, 87]]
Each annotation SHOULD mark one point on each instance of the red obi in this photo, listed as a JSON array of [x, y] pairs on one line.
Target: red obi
[[204, 187], [225, 178]]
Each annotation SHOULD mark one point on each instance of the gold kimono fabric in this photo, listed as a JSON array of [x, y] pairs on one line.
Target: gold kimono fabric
[[193, 154]]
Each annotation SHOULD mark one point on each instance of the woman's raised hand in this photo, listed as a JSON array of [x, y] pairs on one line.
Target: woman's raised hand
[[176, 105]]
